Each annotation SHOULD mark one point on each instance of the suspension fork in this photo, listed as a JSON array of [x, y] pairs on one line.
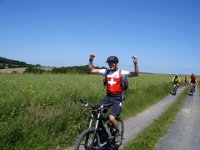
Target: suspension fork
[[96, 127], [91, 120]]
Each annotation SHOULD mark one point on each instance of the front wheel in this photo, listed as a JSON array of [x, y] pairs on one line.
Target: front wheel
[[193, 89], [121, 129], [88, 141], [174, 90]]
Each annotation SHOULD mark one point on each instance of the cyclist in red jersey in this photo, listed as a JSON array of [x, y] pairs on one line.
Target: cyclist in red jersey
[[193, 81], [114, 94]]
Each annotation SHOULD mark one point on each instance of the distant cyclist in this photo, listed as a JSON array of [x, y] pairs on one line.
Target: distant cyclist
[[186, 81], [193, 82], [114, 94], [176, 81]]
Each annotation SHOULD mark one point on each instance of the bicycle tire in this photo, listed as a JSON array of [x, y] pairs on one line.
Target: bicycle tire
[[193, 89], [121, 129], [86, 137], [174, 90]]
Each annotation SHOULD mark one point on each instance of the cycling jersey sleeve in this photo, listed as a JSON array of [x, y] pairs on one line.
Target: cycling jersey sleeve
[[102, 71], [125, 73]]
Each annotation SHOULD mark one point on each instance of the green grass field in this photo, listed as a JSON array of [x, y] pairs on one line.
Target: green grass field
[[44, 112]]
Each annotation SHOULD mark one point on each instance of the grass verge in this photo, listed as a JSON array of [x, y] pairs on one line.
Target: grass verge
[[149, 137]]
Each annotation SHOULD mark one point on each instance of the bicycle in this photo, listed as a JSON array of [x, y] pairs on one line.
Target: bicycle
[[192, 90], [175, 89], [100, 134], [186, 83]]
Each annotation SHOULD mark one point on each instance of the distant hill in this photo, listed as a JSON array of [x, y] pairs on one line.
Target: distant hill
[[10, 63]]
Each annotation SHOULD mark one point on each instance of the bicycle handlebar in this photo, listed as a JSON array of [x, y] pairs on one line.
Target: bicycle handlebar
[[92, 106], [87, 104]]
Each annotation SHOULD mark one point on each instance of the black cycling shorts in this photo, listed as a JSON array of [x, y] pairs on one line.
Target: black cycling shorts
[[116, 104]]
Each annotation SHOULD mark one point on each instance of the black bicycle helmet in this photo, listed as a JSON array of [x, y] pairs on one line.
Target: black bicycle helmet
[[112, 59], [192, 75]]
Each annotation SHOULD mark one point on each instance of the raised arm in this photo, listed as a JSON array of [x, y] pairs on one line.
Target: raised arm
[[90, 65], [136, 69]]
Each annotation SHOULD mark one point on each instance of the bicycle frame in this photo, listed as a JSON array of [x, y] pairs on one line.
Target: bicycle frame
[[96, 117]]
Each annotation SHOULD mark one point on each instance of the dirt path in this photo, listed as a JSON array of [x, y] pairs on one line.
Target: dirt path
[[135, 125], [184, 134]]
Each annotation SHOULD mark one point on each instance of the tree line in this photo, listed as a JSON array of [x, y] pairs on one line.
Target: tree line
[[60, 70], [38, 69], [71, 69], [10, 63]]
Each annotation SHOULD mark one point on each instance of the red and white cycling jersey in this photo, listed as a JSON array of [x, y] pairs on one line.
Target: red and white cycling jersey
[[193, 80], [113, 81]]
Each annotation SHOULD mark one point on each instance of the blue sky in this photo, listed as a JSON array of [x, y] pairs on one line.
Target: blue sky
[[164, 34]]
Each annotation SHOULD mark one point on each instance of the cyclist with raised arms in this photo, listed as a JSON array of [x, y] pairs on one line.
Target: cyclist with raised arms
[[114, 94]]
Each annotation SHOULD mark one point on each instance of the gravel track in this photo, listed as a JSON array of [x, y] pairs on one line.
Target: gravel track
[[135, 125], [184, 134]]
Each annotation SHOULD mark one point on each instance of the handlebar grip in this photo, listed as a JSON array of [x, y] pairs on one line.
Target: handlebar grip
[[83, 102], [86, 103]]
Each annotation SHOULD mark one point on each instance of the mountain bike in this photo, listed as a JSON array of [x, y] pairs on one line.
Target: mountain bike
[[100, 134], [192, 90], [186, 83], [175, 89]]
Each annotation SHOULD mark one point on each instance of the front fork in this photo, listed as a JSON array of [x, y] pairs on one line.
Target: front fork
[[96, 127], [91, 121]]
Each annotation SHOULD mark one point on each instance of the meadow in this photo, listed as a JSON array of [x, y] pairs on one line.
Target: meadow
[[43, 111]]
